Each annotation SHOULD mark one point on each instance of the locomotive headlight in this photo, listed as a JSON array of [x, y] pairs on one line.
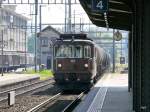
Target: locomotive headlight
[[86, 65], [59, 65]]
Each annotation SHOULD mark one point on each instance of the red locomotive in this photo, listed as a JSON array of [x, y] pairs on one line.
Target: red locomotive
[[78, 61]]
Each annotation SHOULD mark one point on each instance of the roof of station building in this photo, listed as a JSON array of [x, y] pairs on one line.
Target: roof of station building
[[119, 15]]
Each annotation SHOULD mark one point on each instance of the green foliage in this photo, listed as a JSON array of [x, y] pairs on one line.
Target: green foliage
[[44, 74], [30, 71]]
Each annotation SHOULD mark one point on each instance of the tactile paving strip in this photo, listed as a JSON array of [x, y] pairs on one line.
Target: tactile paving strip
[[97, 104]]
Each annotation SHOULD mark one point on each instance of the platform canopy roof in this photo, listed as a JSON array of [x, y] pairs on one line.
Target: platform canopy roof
[[118, 16]]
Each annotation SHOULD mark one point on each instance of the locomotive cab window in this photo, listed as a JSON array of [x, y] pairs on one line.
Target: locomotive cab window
[[64, 51], [69, 51], [78, 51], [87, 51]]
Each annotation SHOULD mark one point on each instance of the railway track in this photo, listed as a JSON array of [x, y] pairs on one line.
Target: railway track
[[26, 88], [74, 103], [54, 102]]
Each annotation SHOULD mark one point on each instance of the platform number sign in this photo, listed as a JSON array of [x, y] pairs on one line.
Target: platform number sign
[[122, 60], [100, 5]]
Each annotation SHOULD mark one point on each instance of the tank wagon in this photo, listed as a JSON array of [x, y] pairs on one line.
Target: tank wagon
[[78, 60]]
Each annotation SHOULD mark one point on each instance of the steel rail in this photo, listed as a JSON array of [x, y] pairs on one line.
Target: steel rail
[[36, 108], [23, 87], [73, 103], [27, 85]]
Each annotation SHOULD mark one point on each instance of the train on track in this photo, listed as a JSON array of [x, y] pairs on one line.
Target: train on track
[[78, 61]]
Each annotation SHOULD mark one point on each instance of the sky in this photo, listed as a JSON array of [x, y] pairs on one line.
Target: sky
[[54, 13]]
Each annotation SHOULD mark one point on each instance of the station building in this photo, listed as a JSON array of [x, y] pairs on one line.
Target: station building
[[14, 33], [45, 41]]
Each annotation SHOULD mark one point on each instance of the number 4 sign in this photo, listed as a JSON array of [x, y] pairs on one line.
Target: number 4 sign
[[100, 5]]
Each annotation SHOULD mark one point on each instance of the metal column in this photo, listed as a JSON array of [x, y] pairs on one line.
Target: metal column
[[113, 52], [144, 27], [137, 57], [25, 49], [40, 55], [130, 59], [36, 13], [69, 18], [2, 52], [74, 22], [65, 16]]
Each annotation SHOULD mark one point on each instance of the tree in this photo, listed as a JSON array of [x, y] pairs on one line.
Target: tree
[[31, 44]]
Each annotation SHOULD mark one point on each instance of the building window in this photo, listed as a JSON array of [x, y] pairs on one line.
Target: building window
[[44, 42]]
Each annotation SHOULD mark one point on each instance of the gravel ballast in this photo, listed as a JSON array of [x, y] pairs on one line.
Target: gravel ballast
[[25, 102]]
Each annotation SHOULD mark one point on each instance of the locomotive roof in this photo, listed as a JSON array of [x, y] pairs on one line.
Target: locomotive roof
[[70, 36], [74, 36], [76, 40]]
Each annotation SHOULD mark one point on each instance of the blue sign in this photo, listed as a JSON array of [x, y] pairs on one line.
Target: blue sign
[[122, 60], [100, 5]]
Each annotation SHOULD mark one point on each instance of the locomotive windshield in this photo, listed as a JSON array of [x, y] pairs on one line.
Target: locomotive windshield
[[72, 51]]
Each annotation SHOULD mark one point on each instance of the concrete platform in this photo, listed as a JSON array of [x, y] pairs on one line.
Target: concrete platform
[[15, 80], [110, 94]]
